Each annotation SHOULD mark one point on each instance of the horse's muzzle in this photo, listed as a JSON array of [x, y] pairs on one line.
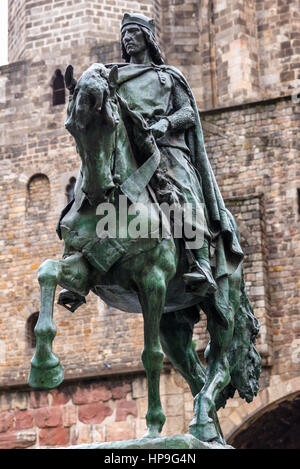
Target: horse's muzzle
[[69, 125]]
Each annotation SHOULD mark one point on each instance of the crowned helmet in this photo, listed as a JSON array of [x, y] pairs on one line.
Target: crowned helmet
[[141, 20]]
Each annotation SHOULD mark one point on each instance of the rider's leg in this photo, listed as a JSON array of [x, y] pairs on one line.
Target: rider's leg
[[201, 268], [176, 333], [75, 278]]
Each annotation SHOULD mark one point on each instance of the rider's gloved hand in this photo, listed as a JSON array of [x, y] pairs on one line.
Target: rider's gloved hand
[[160, 128]]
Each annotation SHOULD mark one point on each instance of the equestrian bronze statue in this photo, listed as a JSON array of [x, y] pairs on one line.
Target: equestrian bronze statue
[[138, 135]]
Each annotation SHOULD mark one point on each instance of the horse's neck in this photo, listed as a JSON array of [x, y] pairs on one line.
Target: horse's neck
[[112, 146], [96, 145]]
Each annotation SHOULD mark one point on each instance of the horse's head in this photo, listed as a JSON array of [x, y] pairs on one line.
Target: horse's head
[[90, 104], [92, 117]]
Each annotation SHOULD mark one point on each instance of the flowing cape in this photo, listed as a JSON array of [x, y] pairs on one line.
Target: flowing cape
[[229, 252]]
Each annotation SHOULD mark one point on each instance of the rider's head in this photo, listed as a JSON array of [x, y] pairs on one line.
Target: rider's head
[[143, 25]]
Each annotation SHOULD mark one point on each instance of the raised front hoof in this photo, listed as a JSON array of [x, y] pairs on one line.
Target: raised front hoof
[[49, 378]]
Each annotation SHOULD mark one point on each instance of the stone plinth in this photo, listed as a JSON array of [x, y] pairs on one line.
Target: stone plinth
[[171, 442]]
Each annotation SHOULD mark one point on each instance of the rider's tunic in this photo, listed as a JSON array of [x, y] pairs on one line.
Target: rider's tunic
[[152, 93]]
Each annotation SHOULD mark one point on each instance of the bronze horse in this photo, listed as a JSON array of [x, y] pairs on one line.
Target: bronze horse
[[139, 275]]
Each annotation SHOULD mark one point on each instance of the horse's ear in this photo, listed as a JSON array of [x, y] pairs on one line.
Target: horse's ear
[[69, 79], [113, 78]]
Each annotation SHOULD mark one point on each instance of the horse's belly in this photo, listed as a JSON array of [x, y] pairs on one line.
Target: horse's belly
[[127, 300]]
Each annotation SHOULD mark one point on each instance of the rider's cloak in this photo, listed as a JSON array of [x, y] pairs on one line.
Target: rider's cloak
[[228, 254]]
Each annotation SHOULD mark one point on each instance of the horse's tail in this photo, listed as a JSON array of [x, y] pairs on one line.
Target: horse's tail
[[244, 360]]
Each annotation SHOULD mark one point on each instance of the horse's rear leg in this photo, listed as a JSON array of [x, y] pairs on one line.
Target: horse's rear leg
[[205, 425], [176, 333], [152, 292], [46, 371]]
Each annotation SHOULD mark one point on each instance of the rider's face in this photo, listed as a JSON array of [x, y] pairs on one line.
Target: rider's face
[[133, 40]]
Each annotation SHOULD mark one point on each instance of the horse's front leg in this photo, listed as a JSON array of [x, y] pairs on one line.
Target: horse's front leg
[[73, 274], [46, 371], [152, 292]]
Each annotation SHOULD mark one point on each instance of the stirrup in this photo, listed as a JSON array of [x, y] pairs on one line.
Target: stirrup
[[201, 273], [70, 300], [194, 276]]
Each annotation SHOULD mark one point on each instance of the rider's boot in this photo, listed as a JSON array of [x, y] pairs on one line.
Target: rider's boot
[[200, 270]]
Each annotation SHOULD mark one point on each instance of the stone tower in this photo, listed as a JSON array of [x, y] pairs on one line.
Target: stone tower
[[242, 60]]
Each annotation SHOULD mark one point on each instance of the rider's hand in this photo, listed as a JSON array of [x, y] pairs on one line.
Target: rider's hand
[[144, 141], [160, 128]]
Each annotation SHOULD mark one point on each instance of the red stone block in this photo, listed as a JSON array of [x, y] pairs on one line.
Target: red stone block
[[38, 399], [93, 413], [48, 417], [58, 436], [59, 397], [69, 416], [100, 393], [91, 394], [6, 421], [17, 440], [23, 419], [125, 408], [120, 392]]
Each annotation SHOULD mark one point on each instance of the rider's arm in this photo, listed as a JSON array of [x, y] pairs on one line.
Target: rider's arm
[[184, 116]]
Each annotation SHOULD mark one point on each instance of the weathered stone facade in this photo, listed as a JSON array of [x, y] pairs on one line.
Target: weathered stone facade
[[242, 60]]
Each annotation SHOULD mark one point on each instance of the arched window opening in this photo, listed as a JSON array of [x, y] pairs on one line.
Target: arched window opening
[[30, 325], [70, 189], [59, 91], [38, 196]]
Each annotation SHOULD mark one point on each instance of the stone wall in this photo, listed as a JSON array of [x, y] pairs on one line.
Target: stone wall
[[254, 150], [16, 29], [88, 411], [45, 26], [233, 51]]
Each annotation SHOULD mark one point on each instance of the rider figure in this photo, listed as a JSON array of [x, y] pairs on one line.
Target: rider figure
[[159, 94]]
